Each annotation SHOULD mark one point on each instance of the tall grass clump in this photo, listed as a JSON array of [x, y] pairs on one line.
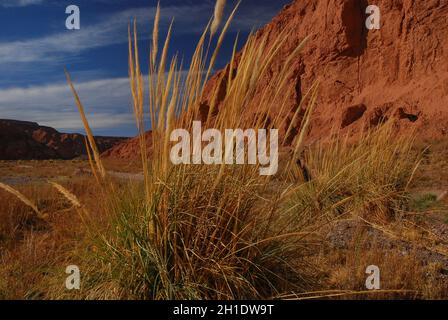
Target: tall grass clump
[[196, 231], [367, 176]]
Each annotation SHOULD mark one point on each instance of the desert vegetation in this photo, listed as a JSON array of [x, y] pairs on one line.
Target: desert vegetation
[[223, 231]]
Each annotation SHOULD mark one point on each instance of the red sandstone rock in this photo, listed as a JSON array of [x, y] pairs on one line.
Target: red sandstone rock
[[366, 76]]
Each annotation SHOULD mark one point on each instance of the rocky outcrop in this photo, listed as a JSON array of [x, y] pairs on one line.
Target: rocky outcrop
[[22, 140], [366, 76], [400, 70]]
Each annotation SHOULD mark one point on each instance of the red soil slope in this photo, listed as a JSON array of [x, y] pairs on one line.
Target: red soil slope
[[128, 149], [400, 70]]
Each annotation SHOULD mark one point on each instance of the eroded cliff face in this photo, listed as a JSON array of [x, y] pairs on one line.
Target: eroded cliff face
[[400, 70], [365, 76], [27, 140]]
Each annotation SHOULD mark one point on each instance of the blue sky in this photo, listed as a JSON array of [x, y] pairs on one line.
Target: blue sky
[[35, 46]]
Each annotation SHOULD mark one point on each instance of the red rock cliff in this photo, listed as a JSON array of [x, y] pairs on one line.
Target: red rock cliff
[[366, 75], [400, 70]]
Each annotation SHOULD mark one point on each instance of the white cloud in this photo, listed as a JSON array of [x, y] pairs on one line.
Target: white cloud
[[113, 30], [110, 30], [107, 104], [107, 101], [19, 3]]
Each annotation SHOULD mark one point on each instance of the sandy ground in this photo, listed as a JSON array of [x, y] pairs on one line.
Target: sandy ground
[[35, 172]]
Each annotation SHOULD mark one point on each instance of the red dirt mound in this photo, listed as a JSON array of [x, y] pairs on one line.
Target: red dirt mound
[[22, 140], [366, 76], [129, 149]]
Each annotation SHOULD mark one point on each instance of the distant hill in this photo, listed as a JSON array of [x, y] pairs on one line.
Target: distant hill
[[23, 140]]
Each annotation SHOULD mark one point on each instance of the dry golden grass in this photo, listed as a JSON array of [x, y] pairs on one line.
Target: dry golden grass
[[22, 198], [33, 249], [219, 12], [223, 232], [185, 236], [403, 276]]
